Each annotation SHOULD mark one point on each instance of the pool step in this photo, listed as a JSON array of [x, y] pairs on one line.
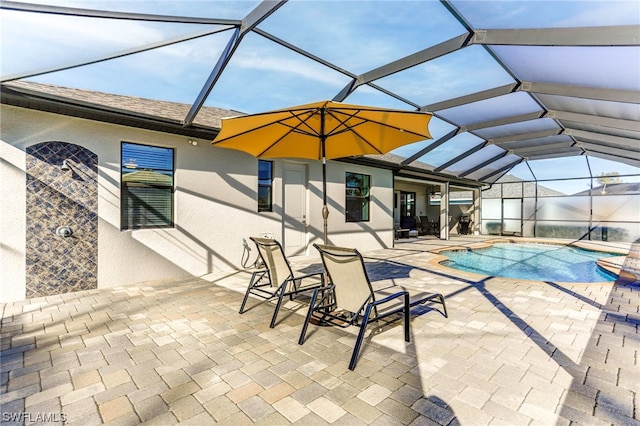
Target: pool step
[[623, 267]]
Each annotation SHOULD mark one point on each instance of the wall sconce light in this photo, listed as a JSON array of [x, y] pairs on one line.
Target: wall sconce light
[[65, 166], [192, 142]]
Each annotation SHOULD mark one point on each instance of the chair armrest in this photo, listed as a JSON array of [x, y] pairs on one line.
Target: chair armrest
[[392, 304], [300, 277], [297, 281], [390, 298], [416, 297], [259, 274]]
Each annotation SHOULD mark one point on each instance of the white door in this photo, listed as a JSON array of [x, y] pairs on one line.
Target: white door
[[295, 209], [511, 216]]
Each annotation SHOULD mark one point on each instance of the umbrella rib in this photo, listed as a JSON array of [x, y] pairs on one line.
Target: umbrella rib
[[311, 131], [292, 129], [254, 129], [334, 112], [347, 128]]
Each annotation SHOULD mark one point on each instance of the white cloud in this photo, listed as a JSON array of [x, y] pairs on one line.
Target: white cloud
[[606, 13], [33, 41], [259, 61]]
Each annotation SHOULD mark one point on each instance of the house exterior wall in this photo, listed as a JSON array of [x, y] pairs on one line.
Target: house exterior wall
[[422, 199], [62, 221], [215, 204]]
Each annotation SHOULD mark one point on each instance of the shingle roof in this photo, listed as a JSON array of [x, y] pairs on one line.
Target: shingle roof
[[150, 108], [140, 112]]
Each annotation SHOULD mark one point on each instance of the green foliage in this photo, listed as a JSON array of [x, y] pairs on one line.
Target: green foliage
[[609, 178]]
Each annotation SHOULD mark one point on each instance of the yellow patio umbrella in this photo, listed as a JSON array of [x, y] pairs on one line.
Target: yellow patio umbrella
[[323, 131]]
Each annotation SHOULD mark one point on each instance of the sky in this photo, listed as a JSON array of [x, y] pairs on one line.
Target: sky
[[355, 36]]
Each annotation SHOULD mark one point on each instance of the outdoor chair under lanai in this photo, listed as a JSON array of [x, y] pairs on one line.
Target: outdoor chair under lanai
[[350, 299], [277, 279]]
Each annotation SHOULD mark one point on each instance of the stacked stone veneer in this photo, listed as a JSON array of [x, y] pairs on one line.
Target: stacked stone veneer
[[55, 198]]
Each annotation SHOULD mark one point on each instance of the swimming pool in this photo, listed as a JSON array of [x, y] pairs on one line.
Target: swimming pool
[[532, 261]]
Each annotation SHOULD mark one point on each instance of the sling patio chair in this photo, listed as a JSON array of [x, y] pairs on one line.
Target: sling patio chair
[[350, 299], [277, 279]]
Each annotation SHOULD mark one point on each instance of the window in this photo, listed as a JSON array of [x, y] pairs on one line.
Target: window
[[357, 188], [265, 186], [460, 198], [407, 204], [147, 186]]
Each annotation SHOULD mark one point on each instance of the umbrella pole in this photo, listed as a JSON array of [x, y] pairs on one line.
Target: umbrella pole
[[325, 209], [323, 142]]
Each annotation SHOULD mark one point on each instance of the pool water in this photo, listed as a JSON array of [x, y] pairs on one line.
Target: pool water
[[541, 262]]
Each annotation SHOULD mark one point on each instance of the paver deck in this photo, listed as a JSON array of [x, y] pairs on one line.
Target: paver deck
[[512, 352]]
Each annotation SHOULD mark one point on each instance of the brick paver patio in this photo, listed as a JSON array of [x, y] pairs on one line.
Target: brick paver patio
[[512, 352]]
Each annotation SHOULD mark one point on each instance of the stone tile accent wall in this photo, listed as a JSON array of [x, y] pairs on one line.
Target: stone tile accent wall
[[55, 197]]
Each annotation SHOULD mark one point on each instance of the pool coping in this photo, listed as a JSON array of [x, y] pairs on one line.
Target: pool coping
[[612, 265]]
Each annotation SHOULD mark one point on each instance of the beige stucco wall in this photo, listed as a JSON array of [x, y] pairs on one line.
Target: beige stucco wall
[[12, 221], [215, 203]]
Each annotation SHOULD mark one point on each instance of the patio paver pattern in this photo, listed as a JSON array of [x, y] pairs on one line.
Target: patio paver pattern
[[512, 352]]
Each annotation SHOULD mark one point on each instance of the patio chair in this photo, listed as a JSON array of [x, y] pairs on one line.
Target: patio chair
[[464, 225], [349, 299], [277, 279], [421, 227], [409, 222]]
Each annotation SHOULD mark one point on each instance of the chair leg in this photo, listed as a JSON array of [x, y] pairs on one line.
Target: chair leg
[[308, 318], [280, 296], [444, 307], [296, 285], [246, 295], [363, 329]]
